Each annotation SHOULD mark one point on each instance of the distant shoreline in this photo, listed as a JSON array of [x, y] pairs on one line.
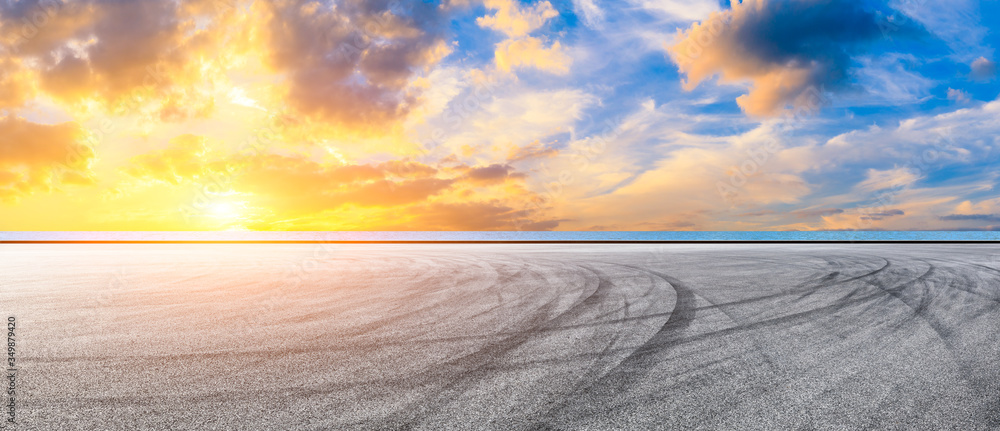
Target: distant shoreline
[[493, 237], [498, 242]]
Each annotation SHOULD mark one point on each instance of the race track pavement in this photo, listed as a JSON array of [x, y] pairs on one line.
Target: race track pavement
[[565, 336]]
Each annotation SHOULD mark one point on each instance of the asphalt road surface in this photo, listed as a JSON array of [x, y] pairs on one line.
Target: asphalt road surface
[[569, 336]]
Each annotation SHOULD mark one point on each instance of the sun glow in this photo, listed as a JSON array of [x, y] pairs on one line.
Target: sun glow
[[227, 211]]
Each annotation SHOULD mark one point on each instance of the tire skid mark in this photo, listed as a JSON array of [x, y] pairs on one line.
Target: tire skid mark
[[960, 286], [634, 366], [831, 281], [458, 374], [594, 370], [476, 366], [419, 311], [941, 331]]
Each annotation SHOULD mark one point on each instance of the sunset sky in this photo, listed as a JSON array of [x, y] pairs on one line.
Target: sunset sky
[[499, 115]]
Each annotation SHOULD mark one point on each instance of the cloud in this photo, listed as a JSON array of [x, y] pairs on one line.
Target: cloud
[[15, 87], [181, 160], [887, 79], [958, 25], [616, 180], [761, 213], [680, 10], [534, 150], [144, 58], [491, 174], [104, 50], [888, 179], [35, 28], [293, 192], [350, 63], [514, 20], [819, 212], [958, 96], [788, 50], [921, 143], [520, 50], [591, 13], [513, 117], [531, 52], [972, 217], [38, 158], [472, 216], [876, 216], [983, 69]]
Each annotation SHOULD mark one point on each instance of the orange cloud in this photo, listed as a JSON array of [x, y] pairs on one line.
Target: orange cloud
[[472, 216], [514, 20], [15, 86], [182, 160], [122, 57], [292, 192], [37, 157], [530, 52]]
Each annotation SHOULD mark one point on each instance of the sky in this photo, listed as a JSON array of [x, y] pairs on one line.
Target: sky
[[499, 115]]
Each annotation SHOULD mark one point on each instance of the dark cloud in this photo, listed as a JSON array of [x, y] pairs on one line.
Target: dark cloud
[[492, 174], [821, 212], [791, 50], [350, 62], [875, 216], [983, 69], [36, 28], [534, 150], [345, 62], [972, 217], [758, 213], [119, 53]]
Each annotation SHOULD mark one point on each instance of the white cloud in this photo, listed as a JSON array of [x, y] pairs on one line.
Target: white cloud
[[681, 11], [888, 179], [590, 12], [887, 81], [654, 168], [957, 22]]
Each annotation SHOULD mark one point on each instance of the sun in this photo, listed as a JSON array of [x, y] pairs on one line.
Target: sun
[[227, 211]]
